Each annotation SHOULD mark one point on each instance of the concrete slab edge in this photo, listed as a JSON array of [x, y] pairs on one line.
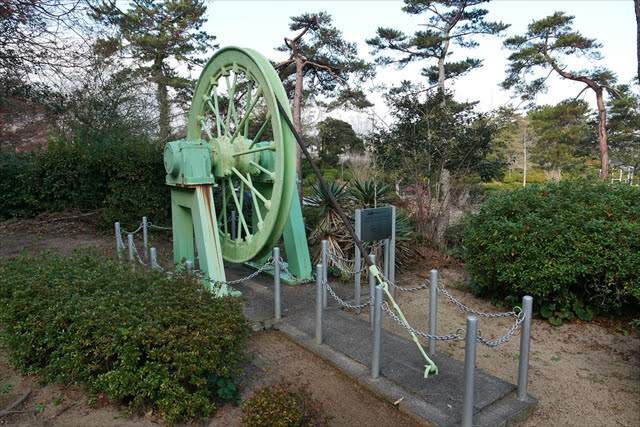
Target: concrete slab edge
[[360, 374], [507, 412]]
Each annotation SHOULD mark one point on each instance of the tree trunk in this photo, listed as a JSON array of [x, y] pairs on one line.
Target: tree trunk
[[162, 97], [441, 59], [441, 70], [445, 210], [637, 3], [602, 135], [297, 123]]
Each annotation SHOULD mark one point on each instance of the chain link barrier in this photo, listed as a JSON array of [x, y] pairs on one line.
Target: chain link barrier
[[400, 288], [476, 312], [283, 267], [344, 303], [157, 227], [456, 336], [135, 252], [268, 263], [519, 319], [134, 232], [336, 258], [460, 333]]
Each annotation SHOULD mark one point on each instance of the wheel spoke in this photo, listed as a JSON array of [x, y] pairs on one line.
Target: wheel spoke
[[256, 139], [235, 200], [231, 110], [241, 212], [271, 174], [214, 107], [203, 122], [271, 147], [267, 203], [249, 94], [246, 116], [256, 208], [224, 208]]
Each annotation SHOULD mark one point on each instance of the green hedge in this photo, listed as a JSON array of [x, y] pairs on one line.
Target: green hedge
[[573, 245], [140, 337], [123, 174]]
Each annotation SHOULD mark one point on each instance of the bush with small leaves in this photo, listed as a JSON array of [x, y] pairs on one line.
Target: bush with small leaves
[[572, 245], [146, 339], [282, 405]]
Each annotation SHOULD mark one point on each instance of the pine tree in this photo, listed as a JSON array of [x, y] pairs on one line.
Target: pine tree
[[547, 45], [321, 62], [450, 21], [157, 35]]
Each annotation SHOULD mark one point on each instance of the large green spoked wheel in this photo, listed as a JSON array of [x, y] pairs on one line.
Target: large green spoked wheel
[[234, 108]]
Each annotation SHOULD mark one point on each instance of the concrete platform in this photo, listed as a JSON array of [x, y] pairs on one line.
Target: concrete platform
[[347, 344]]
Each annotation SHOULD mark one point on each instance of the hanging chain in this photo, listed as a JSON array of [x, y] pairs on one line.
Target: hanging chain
[[333, 257], [519, 319], [244, 279], [400, 288], [157, 227], [123, 231], [283, 267], [456, 336], [344, 303], [135, 251], [476, 312]]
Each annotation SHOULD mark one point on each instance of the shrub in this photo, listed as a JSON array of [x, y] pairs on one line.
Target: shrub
[[140, 337], [282, 405], [16, 191], [124, 174], [573, 245]]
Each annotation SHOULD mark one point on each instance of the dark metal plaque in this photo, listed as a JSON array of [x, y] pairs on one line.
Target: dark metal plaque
[[375, 224]]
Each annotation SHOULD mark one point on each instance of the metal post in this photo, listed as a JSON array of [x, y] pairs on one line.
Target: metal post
[[433, 309], [372, 286], [233, 225], [154, 258], [118, 238], [145, 236], [357, 295], [319, 303], [469, 370], [525, 341], [386, 265], [392, 247], [324, 249], [377, 333], [357, 256], [130, 243], [276, 280], [189, 265]]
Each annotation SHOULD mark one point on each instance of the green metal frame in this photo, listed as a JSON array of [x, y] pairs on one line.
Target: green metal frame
[[239, 155]]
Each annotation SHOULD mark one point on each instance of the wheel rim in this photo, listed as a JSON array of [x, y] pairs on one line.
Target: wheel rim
[[234, 108]]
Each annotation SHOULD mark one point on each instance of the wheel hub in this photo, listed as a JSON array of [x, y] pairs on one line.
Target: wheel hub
[[239, 155]]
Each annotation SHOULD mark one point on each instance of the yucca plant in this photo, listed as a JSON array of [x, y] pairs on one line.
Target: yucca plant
[[371, 194], [328, 224]]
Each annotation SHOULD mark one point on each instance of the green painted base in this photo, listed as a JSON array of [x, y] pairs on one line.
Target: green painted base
[[284, 277]]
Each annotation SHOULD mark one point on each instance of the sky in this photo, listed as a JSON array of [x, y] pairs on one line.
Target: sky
[[262, 25]]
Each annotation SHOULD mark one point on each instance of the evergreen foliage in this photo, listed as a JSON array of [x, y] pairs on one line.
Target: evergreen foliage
[[572, 245], [457, 21], [336, 137], [146, 339], [157, 35]]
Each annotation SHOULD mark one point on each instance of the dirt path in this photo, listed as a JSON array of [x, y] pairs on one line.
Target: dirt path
[[582, 374]]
